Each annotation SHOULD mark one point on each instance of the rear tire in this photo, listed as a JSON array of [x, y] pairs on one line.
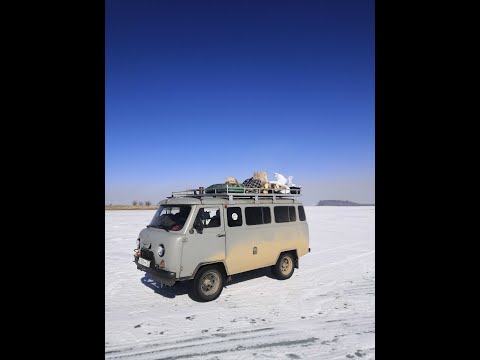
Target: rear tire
[[208, 284], [284, 267]]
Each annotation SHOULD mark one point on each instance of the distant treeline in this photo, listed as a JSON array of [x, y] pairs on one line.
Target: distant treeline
[[340, 203]]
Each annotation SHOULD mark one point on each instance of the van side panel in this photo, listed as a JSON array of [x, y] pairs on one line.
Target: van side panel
[[239, 249], [303, 239], [269, 239], [241, 242]]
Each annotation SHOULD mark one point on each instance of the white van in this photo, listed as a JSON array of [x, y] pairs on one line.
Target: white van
[[209, 237]]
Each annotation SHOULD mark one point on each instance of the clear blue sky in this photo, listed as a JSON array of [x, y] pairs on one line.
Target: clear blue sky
[[197, 91]]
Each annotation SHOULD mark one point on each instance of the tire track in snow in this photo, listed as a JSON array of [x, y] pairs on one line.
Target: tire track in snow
[[213, 344], [242, 348], [163, 343]]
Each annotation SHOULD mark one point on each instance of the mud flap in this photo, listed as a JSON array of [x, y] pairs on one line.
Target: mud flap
[[297, 263]]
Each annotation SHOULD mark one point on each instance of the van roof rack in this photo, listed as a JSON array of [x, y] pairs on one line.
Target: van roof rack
[[234, 192]]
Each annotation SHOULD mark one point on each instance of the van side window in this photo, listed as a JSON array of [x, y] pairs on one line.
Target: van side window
[[257, 215], [292, 214], [234, 216], [214, 217], [267, 217], [210, 217], [301, 213], [284, 214]]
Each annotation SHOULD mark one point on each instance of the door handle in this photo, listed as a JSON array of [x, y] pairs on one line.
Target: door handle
[[220, 235]]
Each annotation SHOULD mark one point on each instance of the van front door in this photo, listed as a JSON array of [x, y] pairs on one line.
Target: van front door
[[207, 242]]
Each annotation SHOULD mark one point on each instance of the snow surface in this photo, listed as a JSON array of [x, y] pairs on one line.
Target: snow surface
[[326, 310]]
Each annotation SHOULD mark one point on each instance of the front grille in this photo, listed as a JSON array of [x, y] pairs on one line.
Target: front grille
[[147, 255]]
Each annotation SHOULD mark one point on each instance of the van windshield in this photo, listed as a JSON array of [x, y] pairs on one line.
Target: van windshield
[[170, 218]]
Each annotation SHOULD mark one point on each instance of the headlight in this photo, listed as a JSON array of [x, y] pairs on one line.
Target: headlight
[[161, 250]]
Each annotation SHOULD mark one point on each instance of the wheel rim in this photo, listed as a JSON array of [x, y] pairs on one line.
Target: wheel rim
[[286, 265], [210, 283]]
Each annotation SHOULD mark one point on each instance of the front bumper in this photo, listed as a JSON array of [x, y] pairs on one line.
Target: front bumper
[[159, 275]]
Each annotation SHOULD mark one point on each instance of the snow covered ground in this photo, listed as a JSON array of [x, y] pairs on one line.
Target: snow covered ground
[[326, 310]]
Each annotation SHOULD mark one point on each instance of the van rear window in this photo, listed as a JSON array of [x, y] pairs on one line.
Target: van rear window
[[284, 214], [301, 213], [257, 215]]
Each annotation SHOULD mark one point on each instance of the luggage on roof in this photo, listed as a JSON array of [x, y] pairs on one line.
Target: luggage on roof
[[223, 188]]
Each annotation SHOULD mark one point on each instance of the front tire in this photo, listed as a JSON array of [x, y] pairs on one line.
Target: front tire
[[284, 267], [208, 284]]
